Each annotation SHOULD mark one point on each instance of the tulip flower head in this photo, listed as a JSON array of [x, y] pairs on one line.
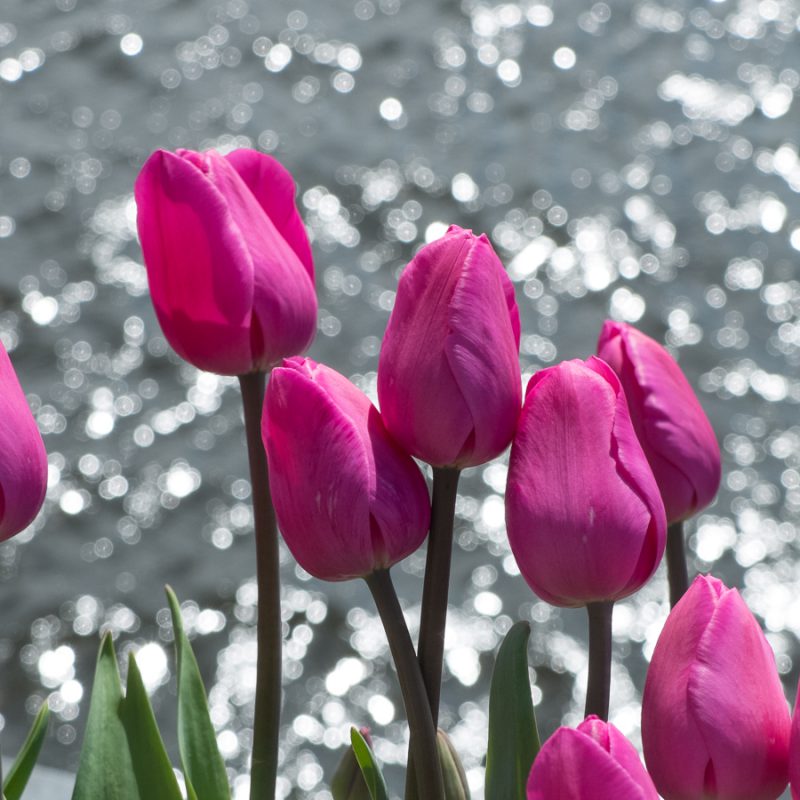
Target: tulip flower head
[[349, 501], [592, 762], [228, 260], [23, 460], [671, 425], [584, 516], [715, 723], [794, 750], [448, 378]]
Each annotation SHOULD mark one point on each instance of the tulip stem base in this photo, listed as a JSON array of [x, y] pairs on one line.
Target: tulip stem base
[[436, 587], [264, 768], [425, 752], [677, 570], [599, 687]]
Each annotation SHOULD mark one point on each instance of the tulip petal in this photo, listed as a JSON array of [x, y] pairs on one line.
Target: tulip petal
[[23, 460], [742, 715], [482, 350], [794, 749], [674, 746], [199, 269], [274, 189], [574, 766]]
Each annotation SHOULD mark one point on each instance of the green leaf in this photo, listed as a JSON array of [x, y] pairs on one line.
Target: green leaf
[[18, 775], [106, 770], [513, 738], [154, 775], [369, 767], [203, 766]]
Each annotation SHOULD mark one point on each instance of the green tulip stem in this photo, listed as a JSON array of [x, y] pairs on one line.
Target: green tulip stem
[[435, 590], [599, 688], [264, 767], [424, 751], [677, 571]]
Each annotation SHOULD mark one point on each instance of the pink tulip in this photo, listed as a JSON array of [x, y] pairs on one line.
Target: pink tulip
[[448, 379], [794, 750], [593, 762], [227, 258], [715, 723], [670, 422], [585, 519], [348, 500], [23, 460]]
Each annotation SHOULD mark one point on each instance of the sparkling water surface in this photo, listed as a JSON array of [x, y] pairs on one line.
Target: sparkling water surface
[[635, 160]]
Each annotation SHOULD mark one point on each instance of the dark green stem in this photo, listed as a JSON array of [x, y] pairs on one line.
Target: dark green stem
[[435, 590], [264, 768], [423, 732], [677, 571], [599, 686]]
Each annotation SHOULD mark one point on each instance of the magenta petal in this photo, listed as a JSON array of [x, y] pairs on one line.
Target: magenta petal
[[580, 765], [348, 500], [584, 518], [274, 189], [674, 430], [794, 750], [187, 232], [23, 460]]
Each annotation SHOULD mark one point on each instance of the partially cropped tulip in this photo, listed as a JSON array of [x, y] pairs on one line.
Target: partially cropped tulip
[[448, 378], [456, 786], [348, 781], [794, 750], [349, 501], [593, 762], [585, 519], [228, 260], [715, 723], [670, 422], [23, 460]]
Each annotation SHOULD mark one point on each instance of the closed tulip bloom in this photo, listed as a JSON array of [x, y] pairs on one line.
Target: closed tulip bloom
[[349, 501], [23, 460], [448, 378], [592, 762], [715, 723], [228, 261], [584, 516], [794, 751], [670, 422]]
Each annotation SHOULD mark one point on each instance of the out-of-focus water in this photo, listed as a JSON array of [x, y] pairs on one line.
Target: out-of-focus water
[[635, 160]]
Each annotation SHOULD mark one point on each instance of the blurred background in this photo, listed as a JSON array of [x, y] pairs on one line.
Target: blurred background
[[633, 160]]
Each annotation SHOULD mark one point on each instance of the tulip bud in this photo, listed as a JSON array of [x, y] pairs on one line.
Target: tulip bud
[[584, 516], [794, 750], [455, 779], [592, 762], [448, 377], [23, 460], [715, 723], [348, 781], [349, 501], [228, 260], [675, 433]]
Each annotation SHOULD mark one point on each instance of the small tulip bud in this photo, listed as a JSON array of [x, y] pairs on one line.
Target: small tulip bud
[[23, 460], [584, 515], [228, 259], [592, 762], [715, 723], [448, 378], [348, 500], [455, 779], [675, 433], [348, 781]]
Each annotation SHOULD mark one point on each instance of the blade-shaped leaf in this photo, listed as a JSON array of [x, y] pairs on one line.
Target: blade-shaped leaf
[[203, 766], [513, 738], [21, 769], [369, 767], [106, 769], [152, 767]]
